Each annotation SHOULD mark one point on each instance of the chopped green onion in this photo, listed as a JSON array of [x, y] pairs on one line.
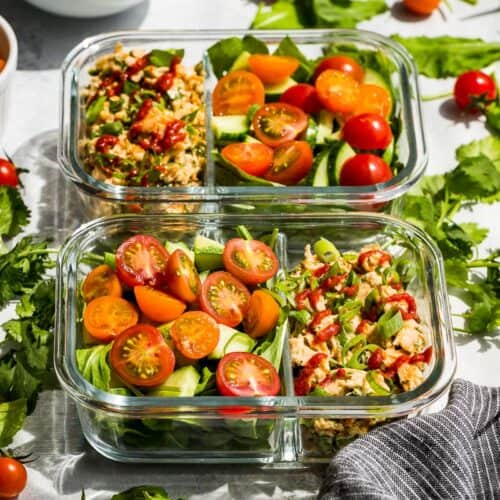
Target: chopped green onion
[[389, 323], [326, 250], [377, 389], [354, 362], [358, 339], [112, 128], [94, 110], [244, 232]]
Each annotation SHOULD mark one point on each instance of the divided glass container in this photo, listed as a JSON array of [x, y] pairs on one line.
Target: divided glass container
[[278, 429], [102, 198]]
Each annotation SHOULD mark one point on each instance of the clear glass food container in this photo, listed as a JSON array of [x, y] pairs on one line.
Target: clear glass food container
[[103, 198], [272, 429]]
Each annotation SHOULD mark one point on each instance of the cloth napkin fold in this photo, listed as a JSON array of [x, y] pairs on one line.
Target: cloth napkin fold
[[454, 454]]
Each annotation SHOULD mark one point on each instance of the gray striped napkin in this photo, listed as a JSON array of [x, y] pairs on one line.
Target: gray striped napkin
[[454, 454]]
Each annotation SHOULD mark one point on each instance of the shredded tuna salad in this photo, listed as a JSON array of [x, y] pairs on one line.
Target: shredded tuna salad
[[145, 120]]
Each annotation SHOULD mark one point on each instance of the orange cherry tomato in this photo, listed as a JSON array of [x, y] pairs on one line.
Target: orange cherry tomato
[[291, 163], [254, 158], [421, 7], [341, 63], [195, 334], [236, 92], [182, 277], [262, 315], [140, 356], [102, 280], [157, 305], [372, 99], [272, 69], [106, 317], [337, 91]]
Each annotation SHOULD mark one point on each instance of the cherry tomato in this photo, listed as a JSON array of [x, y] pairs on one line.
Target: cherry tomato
[[262, 315], [421, 7], [372, 99], [364, 170], [337, 91], [141, 260], [473, 88], [141, 357], [272, 69], [225, 298], [278, 122], [303, 96], [101, 281], [182, 277], [341, 63], [251, 261], [8, 175], [158, 305], [195, 334], [13, 477], [292, 162], [244, 374], [236, 92], [106, 317], [254, 158], [367, 131]]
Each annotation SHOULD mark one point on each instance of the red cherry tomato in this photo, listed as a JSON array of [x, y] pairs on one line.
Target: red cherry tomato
[[292, 162], [13, 477], [254, 158], [474, 88], [182, 277], [303, 96], [251, 261], [142, 260], [341, 63], [225, 298], [244, 374], [8, 175], [278, 122], [364, 170], [367, 131], [141, 357]]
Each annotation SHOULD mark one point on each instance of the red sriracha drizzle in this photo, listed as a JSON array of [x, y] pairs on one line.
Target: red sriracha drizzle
[[105, 143], [422, 357], [302, 383], [301, 300], [411, 306], [327, 333], [383, 257]]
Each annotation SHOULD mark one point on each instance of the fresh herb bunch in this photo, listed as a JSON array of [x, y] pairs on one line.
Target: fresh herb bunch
[[433, 207]]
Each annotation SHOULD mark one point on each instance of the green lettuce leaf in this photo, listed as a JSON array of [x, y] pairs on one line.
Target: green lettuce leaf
[[12, 415], [14, 214], [287, 47]]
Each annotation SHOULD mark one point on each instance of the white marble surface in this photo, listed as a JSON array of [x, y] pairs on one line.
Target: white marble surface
[[66, 463]]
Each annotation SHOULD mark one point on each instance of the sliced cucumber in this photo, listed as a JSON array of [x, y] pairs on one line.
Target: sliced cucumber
[[389, 153], [182, 383], [207, 253], [320, 170], [232, 128], [311, 135], [274, 92], [251, 140], [344, 153], [326, 124], [226, 333], [251, 112], [172, 246], [240, 342], [372, 77], [241, 62]]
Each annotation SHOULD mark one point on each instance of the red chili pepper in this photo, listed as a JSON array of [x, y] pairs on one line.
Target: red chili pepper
[[318, 318], [144, 110], [139, 64], [105, 143], [164, 82], [321, 270], [327, 333], [174, 132], [411, 305], [340, 373], [333, 281], [375, 360], [382, 257], [422, 357], [315, 297], [301, 298], [362, 325], [350, 291]]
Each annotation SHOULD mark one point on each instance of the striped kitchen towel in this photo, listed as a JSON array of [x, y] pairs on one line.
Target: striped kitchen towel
[[454, 454]]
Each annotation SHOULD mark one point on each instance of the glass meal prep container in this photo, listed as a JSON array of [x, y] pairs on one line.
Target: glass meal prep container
[[103, 198], [279, 429]]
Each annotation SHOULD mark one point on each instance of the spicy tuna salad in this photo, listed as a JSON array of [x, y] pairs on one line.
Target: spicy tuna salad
[[144, 120]]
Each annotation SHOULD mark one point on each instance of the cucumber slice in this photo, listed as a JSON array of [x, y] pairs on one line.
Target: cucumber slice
[[182, 383], [226, 333], [240, 342], [241, 62], [371, 76], [320, 169], [311, 135], [274, 92], [389, 153], [172, 246], [207, 254], [326, 123], [249, 140], [344, 153], [231, 128]]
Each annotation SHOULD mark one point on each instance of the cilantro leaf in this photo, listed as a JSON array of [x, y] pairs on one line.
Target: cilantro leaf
[[14, 214], [489, 147], [145, 492]]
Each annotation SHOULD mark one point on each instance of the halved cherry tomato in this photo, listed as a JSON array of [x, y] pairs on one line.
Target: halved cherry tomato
[[278, 122], [102, 280], [304, 96], [225, 298], [421, 7], [195, 334], [236, 92], [13, 477], [141, 357], [106, 317], [182, 277], [157, 305], [251, 261], [272, 69], [473, 89], [292, 162], [8, 174], [245, 374], [262, 315], [254, 158], [367, 131], [141, 260], [341, 63], [364, 170], [372, 99], [337, 91]]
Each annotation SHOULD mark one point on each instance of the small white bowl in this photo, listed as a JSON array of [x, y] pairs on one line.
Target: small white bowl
[[84, 8], [8, 52]]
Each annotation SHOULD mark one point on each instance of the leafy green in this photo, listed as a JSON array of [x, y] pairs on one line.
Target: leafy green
[[272, 348], [14, 214], [444, 56], [12, 415], [493, 117], [305, 70], [159, 57], [489, 147], [145, 492], [282, 14], [94, 110]]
